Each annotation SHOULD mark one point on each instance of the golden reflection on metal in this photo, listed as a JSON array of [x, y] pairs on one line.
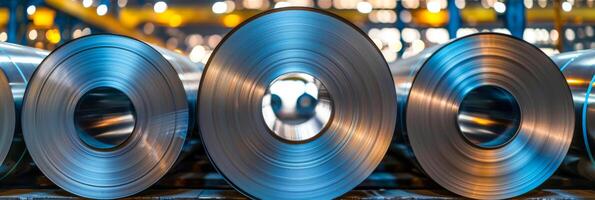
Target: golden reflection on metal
[[478, 120], [113, 121], [577, 82]]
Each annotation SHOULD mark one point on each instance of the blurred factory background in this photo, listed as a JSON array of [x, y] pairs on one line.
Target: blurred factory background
[[399, 28]]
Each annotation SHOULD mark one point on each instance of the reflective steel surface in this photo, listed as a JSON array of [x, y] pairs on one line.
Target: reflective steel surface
[[296, 106], [238, 76], [106, 116], [17, 63], [458, 115], [579, 69]]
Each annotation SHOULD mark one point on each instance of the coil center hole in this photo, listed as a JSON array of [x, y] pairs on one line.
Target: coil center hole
[[489, 116], [104, 118], [296, 107]]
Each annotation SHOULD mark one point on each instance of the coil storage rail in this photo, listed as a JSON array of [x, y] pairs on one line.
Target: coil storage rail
[[579, 69], [481, 119], [106, 116]]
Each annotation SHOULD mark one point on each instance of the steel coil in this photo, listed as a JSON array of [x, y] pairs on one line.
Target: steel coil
[[17, 63], [487, 116], [579, 70], [296, 103], [106, 116]]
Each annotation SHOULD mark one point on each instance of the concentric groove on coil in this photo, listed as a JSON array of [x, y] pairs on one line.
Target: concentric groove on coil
[[296, 40], [432, 95], [151, 84]]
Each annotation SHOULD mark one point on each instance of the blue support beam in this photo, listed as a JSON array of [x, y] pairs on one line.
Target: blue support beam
[[454, 19], [400, 25], [17, 21], [13, 22], [515, 18]]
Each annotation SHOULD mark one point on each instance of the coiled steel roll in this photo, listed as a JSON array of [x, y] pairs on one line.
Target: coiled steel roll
[[106, 116], [487, 116], [579, 69], [17, 63], [296, 103]]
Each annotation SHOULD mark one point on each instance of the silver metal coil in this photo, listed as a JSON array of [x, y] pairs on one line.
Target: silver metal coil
[[579, 69], [296, 103], [106, 116], [487, 116], [17, 63]]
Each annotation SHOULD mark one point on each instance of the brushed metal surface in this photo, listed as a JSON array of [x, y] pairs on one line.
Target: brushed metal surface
[[159, 85], [296, 40], [431, 87]]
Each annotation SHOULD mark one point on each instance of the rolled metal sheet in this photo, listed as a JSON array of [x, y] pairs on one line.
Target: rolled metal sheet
[[190, 74], [579, 69], [487, 116], [105, 116], [17, 63], [274, 137]]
